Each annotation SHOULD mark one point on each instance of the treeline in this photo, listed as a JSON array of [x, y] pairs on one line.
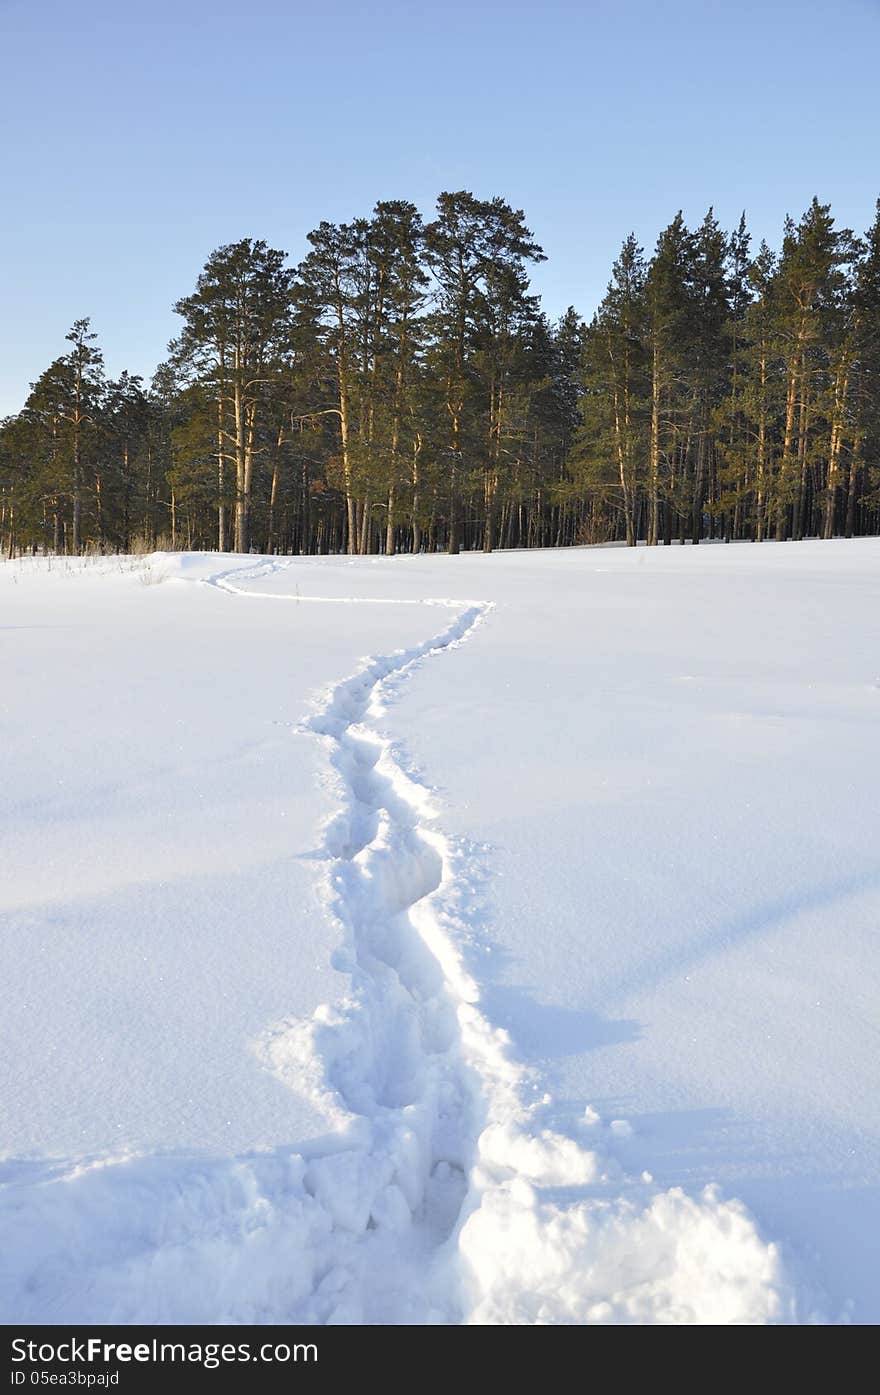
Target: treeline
[[401, 390]]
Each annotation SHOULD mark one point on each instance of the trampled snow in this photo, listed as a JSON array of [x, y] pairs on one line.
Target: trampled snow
[[434, 939]]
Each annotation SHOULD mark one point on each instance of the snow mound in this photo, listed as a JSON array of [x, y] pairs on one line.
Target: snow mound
[[678, 1259]]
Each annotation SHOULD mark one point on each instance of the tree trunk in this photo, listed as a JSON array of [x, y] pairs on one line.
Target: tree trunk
[[241, 519], [761, 493], [416, 504], [622, 472], [853, 482], [221, 483], [654, 475], [699, 482], [453, 542], [800, 498], [787, 467], [841, 386], [390, 525], [271, 539], [365, 536]]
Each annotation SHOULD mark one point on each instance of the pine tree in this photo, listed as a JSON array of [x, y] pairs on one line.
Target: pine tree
[[86, 368], [709, 361], [864, 439], [477, 251], [397, 250], [327, 294], [611, 444], [811, 286], [747, 417], [670, 319], [237, 324]]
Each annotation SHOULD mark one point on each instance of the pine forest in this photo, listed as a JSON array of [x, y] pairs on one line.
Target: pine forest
[[401, 390]]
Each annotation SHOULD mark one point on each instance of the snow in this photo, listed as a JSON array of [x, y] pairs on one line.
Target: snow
[[523, 971]]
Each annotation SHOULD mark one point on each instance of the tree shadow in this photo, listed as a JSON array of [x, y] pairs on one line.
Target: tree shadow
[[764, 915], [547, 1030]]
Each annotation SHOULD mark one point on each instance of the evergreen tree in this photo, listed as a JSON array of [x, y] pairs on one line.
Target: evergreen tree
[[811, 291], [611, 444], [236, 327], [477, 251], [710, 358], [671, 314], [864, 435]]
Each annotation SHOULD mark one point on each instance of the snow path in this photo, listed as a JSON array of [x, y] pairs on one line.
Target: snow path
[[392, 1057], [265, 568], [438, 1197]]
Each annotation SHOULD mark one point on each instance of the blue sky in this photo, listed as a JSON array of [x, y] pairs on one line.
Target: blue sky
[[135, 138]]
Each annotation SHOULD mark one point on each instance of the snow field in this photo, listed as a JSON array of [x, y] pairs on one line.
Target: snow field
[[442, 1186]]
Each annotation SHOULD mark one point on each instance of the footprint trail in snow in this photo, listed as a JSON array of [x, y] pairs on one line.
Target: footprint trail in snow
[[389, 1064]]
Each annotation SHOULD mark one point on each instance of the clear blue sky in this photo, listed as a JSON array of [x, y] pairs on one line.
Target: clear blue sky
[[136, 137]]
